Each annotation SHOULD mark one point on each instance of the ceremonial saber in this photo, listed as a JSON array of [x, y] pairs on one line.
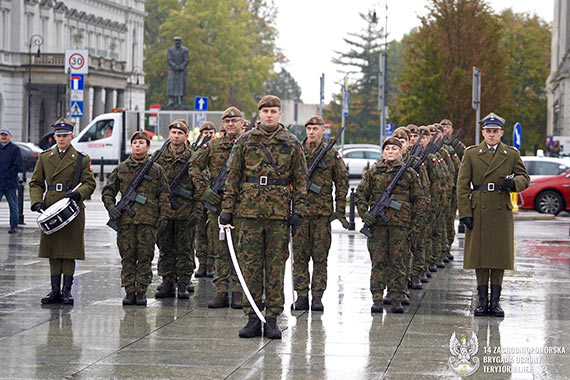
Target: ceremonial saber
[[228, 231], [292, 259]]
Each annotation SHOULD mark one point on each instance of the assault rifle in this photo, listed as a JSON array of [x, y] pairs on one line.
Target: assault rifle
[[130, 196], [251, 123], [386, 199], [416, 145], [456, 139], [219, 183], [174, 185], [196, 144], [433, 146], [311, 186]]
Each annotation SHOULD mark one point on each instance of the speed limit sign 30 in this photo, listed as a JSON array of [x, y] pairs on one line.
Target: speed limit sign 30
[[77, 61]]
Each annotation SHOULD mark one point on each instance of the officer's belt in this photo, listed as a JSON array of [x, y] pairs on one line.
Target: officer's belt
[[59, 187], [491, 187], [263, 180]]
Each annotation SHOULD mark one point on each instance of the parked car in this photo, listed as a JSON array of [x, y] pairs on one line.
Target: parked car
[[548, 195], [543, 167], [30, 153], [359, 157]]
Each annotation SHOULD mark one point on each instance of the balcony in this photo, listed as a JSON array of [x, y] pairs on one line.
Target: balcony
[[57, 60]]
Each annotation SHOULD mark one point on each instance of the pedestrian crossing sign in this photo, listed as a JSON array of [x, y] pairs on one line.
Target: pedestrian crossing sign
[[76, 109]]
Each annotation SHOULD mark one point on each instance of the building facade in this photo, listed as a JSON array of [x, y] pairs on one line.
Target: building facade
[[34, 35], [558, 82]]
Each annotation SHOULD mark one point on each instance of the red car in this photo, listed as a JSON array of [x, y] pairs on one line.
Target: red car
[[549, 195]]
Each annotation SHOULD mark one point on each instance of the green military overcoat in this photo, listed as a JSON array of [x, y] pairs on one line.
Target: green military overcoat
[[67, 243], [490, 243]]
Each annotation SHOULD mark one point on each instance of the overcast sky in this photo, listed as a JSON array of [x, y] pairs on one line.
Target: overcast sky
[[311, 30]]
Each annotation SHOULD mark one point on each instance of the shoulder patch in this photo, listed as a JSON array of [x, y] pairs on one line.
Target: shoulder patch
[[338, 156], [513, 148]]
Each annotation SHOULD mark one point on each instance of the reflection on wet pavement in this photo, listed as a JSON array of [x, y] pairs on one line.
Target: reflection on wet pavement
[[100, 339]]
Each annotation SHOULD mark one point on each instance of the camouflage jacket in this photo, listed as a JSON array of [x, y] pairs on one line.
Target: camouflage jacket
[[330, 169], [210, 158], [156, 192], [248, 160], [185, 197], [409, 194]]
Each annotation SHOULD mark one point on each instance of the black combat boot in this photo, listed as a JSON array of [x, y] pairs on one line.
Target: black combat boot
[[251, 329], [450, 256], [166, 291], [190, 288], [495, 308], [182, 292], [130, 298], [210, 270], [416, 283], [428, 274], [397, 307], [424, 278], [432, 267], [317, 304], [66, 297], [302, 303], [201, 272], [444, 258], [236, 300], [483, 305], [377, 307], [388, 299], [141, 298], [405, 300], [55, 295], [220, 301], [440, 264], [271, 330]]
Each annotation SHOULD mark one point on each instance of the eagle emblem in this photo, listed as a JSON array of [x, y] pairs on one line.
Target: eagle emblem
[[464, 362]]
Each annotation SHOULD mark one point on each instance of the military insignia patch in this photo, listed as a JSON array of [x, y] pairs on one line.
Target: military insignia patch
[[90, 168], [338, 156]]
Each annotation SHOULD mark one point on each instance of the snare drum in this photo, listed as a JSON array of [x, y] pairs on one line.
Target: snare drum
[[58, 215]]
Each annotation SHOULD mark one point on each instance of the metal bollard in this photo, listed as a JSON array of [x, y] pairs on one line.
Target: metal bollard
[[351, 224], [21, 182], [102, 174]]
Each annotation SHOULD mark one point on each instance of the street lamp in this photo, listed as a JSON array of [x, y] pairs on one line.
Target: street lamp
[[35, 40]]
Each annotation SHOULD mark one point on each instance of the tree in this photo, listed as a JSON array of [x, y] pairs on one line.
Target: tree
[[284, 86]]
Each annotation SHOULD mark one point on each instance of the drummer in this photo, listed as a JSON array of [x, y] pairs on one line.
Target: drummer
[[58, 171]]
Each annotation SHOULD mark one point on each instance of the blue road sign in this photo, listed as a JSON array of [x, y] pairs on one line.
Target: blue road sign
[[345, 104], [517, 135], [200, 103], [388, 130], [199, 119], [76, 109], [77, 81]]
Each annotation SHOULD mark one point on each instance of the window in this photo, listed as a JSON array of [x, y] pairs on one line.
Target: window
[[100, 130], [355, 154], [548, 168], [372, 155]]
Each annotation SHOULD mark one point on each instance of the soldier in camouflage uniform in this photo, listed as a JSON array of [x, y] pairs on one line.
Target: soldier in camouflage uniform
[[266, 170], [313, 238], [389, 245], [204, 242], [137, 234], [212, 156], [176, 261]]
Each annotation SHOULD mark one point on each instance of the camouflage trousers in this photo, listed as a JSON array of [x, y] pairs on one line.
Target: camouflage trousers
[[202, 242], [136, 247], [262, 252], [224, 268], [419, 253], [437, 238], [312, 241], [389, 249], [176, 260]]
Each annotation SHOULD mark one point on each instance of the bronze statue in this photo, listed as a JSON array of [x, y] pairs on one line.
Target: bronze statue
[[177, 59]]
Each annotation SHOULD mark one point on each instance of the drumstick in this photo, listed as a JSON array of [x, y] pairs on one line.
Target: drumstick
[[75, 188]]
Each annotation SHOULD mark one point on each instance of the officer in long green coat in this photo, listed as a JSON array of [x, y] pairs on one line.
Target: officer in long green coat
[[52, 180], [313, 239], [489, 172], [266, 170]]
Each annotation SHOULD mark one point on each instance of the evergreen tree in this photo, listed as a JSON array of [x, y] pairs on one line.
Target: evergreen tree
[[284, 86]]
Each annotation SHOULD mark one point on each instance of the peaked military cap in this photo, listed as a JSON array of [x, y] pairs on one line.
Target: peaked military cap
[[231, 112], [140, 135], [392, 141], [177, 38], [180, 124], [269, 101], [446, 122], [315, 120], [492, 121], [207, 126], [401, 133], [63, 126]]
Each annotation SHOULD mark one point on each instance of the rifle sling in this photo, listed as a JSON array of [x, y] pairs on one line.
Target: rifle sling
[[270, 158]]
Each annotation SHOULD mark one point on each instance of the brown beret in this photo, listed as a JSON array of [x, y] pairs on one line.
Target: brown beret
[[269, 101], [140, 135], [180, 124], [446, 122], [439, 127], [412, 128], [207, 126], [392, 141], [231, 112], [432, 128], [425, 129], [401, 133], [315, 120]]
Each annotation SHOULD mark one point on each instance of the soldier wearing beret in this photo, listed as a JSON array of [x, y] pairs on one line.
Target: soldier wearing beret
[[212, 157], [137, 234], [176, 261], [58, 170], [389, 246], [313, 238], [489, 172], [266, 170]]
